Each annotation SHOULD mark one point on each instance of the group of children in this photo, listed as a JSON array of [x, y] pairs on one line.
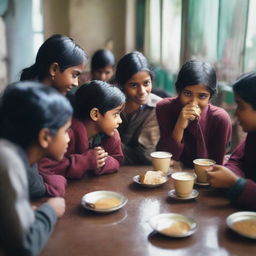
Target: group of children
[[43, 140]]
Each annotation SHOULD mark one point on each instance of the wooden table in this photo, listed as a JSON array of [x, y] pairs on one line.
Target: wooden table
[[127, 233]]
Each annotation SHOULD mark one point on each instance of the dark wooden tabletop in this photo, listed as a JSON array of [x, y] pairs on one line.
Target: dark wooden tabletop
[[127, 232]]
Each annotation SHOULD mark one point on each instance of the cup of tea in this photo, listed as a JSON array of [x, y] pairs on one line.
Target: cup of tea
[[200, 166], [183, 183], [161, 161]]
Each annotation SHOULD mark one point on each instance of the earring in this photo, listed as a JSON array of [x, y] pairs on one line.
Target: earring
[[53, 77]]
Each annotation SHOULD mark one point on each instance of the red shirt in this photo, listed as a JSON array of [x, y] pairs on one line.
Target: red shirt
[[243, 163], [203, 138], [80, 157]]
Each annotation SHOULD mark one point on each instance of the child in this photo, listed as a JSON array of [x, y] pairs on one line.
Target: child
[[102, 65], [239, 174], [139, 131], [34, 120], [190, 127], [59, 62], [95, 144]]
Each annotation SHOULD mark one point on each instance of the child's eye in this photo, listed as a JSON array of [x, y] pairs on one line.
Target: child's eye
[[133, 85], [203, 96], [187, 93], [147, 83]]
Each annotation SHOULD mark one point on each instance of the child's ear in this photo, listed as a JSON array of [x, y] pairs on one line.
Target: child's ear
[[54, 67], [94, 114], [44, 138]]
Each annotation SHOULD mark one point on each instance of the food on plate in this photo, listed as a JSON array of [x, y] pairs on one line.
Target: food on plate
[[176, 228], [246, 227], [153, 177]]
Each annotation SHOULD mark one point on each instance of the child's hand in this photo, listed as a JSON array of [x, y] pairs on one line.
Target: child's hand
[[58, 205], [189, 112], [101, 156], [221, 177]]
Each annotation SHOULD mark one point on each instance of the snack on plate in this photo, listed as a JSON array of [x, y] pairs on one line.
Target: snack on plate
[[153, 178]]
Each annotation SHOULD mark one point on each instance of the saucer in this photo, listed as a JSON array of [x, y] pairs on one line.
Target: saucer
[[193, 195], [136, 179], [202, 184]]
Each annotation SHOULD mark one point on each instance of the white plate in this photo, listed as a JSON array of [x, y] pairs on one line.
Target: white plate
[[164, 220], [136, 179], [88, 200], [193, 195], [241, 216]]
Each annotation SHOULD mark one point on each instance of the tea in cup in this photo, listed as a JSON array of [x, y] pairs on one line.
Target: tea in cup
[[161, 161], [200, 166], [183, 183]]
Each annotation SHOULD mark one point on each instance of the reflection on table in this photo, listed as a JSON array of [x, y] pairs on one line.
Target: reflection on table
[[127, 232]]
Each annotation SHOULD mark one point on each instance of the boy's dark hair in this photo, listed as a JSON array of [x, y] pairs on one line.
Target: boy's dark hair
[[96, 94], [245, 87], [57, 48], [101, 59], [28, 107], [129, 65], [195, 72]]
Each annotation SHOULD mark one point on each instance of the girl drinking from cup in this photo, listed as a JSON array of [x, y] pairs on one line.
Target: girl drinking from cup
[[34, 122], [139, 131], [239, 175], [191, 127], [59, 62], [95, 144]]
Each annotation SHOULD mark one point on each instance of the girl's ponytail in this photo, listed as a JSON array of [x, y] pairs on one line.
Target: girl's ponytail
[[30, 73]]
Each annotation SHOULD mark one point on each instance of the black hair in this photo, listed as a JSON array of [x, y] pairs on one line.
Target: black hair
[[195, 72], [129, 65], [245, 88], [27, 107], [57, 48], [101, 59], [96, 94]]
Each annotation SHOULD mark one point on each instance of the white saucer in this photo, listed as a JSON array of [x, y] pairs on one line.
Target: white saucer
[[193, 195], [203, 184]]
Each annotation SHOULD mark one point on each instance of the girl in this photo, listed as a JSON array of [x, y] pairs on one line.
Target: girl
[[34, 120], [102, 65], [139, 131], [59, 62], [239, 175], [190, 127], [94, 141]]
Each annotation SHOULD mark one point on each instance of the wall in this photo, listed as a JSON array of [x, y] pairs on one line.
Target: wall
[[56, 17], [92, 23]]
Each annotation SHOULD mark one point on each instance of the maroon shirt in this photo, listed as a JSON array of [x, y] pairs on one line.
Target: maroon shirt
[[80, 158], [243, 163], [203, 138]]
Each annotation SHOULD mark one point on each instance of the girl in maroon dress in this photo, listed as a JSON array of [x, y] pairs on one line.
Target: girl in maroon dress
[[191, 127], [239, 175], [95, 145]]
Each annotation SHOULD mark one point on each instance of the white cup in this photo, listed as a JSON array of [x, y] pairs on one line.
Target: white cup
[[161, 161], [183, 183], [200, 166]]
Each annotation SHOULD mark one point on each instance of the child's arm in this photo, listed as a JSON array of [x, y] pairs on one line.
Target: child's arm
[[24, 230], [241, 190], [219, 136], [166, 125], [112, 145]]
